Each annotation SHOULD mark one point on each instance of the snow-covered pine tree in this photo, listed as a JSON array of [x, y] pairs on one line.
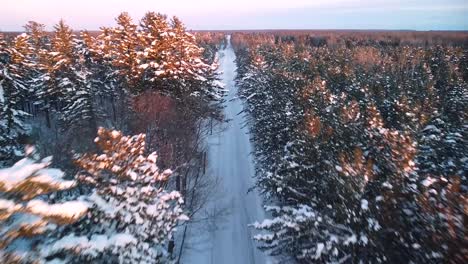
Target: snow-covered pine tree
[[81, 109], [155, 38], [25, 212], [37, 34], [14, 63], [199, 77], [58, 68], [70, 88], [171, 58], [38, 76], [21, 65], [40, 45], [439, 188], [121, 50], [118, 49], [133, 216], [105, 78]]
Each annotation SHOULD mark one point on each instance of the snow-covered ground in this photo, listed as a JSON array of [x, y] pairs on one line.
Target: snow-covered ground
[[228, 239]]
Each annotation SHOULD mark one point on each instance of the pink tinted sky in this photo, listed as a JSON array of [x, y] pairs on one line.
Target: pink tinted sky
[[246, 14]]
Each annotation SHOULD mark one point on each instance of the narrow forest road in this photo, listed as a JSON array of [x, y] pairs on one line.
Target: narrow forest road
[[229, 159]]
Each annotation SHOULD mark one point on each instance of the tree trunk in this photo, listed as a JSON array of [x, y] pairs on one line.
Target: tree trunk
[[170, 247], [47, 114], [114, 114]]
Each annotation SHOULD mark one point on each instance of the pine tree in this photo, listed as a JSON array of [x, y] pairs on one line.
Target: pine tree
[[122, 50], [39, 77], [13, 72], [106, 79], [118, 46], [81, 109], [25, 213], [157, 39], [130, 201], [441, 181], [60, 67], [172, 59], [68, 87]]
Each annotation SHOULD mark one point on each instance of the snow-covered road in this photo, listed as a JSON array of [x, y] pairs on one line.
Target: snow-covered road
[[229, 159]]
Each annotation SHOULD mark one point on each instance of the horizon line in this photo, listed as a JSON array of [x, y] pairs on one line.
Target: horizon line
[[281, 29]]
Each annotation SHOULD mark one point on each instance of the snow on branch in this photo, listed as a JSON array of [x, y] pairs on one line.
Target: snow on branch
[[129, 198], [21, 217]]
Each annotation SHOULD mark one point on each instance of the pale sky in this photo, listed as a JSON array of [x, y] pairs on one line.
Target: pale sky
[[246, 14]]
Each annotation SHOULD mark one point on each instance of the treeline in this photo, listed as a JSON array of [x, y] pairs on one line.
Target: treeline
[[364, 37], [360, 146], [152, 79]]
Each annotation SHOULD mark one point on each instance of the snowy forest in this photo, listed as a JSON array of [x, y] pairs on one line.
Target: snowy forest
[[145, 142], [101, 139], [360, 144]]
